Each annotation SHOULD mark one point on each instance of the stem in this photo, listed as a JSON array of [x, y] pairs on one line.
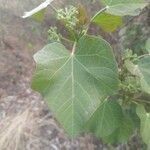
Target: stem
[[102, 10], [139, 100], [143, 56], [73, 49], [65, 39]]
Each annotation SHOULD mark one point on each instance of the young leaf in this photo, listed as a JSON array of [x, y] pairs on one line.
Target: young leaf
[[124, 7], [74, 84], [144, 68], [108, 22], [106, 119], [145, 124]]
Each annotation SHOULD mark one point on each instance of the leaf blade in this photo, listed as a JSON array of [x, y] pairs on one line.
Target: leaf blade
[[108, 22], [123, 8], [72, 87]]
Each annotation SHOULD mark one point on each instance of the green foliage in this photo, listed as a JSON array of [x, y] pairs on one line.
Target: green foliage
[[148, 45], [124, 7], [74, 84], [68, 16], [108, 22], [106, 119], [144, 73], [84, 87], [122, 133], [53, 35], [145, 124]]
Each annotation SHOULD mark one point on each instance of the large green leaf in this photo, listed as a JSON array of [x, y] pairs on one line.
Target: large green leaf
[[144, 72], [74, 84], [106, 119], [124, 7], [145, 124], [108, 22]]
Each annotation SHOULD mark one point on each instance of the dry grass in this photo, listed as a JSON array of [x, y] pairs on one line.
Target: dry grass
[[15, 130]]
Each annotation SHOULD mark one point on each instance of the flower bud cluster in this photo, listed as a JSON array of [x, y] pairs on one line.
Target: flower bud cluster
[[68, 15], [53, 35]]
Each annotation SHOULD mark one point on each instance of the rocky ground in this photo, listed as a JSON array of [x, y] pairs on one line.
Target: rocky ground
[[25, 121]]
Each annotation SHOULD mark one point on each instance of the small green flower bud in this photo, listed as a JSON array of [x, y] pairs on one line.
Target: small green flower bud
[[53, 35]]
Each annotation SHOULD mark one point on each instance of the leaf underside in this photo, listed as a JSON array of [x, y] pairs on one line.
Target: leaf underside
[[124, 7], [75, 85]]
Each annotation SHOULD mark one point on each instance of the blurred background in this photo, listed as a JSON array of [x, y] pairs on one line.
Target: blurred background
[[19, 40]]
